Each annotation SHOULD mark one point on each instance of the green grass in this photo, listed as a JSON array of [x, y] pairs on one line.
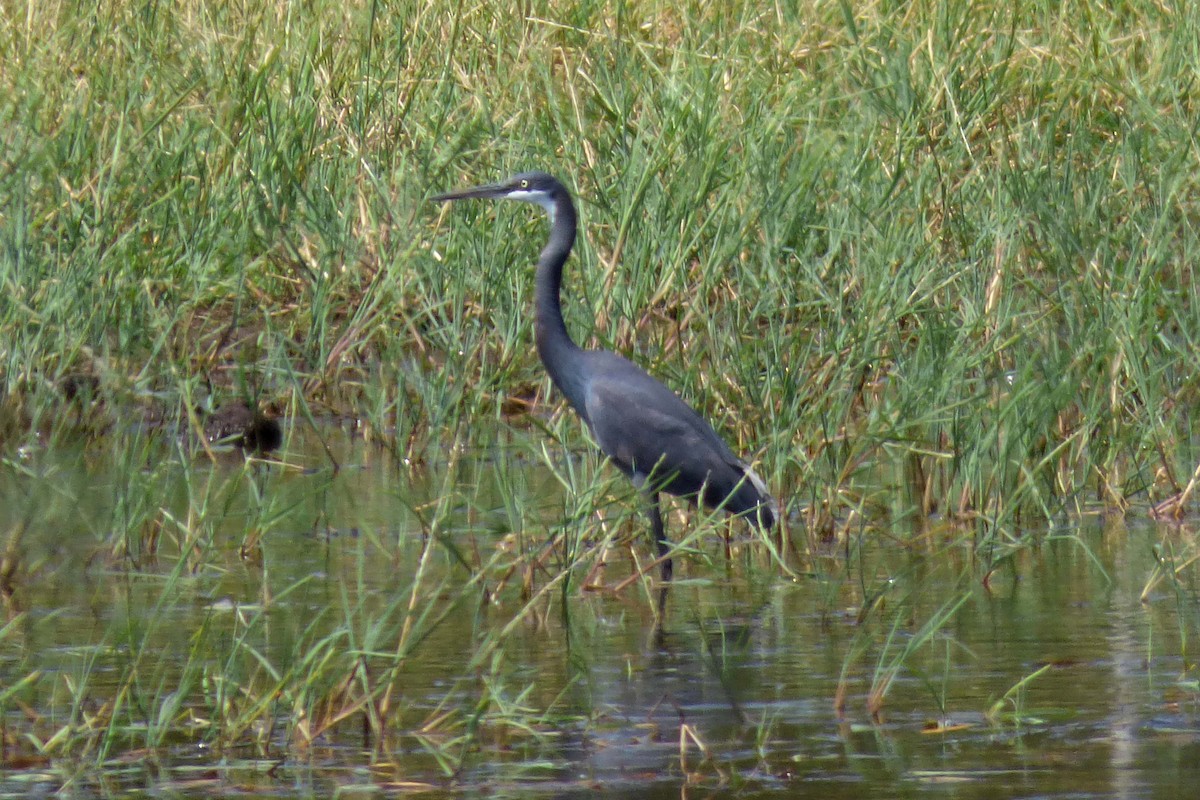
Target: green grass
[[931, 266], [939, 244]]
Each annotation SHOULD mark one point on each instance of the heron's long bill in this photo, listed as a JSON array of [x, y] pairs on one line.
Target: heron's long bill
[[488, 191]]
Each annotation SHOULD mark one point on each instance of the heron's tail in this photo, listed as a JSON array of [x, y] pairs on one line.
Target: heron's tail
[[763, 511]]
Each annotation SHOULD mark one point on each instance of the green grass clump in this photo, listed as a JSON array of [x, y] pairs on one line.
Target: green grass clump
[[943, 245], [920, 262]]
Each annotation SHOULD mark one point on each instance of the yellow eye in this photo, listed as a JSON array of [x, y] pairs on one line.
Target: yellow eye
[[524, 184]]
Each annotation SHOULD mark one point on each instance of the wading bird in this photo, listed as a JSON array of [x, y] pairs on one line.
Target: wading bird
[[642, 426]]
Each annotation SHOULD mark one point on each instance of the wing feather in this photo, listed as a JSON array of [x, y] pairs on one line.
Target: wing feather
[[649, 432]]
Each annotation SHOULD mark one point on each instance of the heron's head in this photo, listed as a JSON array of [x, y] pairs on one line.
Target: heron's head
[[529, 187]]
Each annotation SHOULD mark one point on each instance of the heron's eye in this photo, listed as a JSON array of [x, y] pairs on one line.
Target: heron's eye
[[524, 184]]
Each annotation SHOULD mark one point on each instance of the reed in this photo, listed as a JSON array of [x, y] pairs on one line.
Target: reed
[[931, 265]]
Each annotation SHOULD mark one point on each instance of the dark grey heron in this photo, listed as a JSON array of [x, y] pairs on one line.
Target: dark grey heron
[[642, 426]]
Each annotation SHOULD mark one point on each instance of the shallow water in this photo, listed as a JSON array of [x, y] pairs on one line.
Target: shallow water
[[582, 694]]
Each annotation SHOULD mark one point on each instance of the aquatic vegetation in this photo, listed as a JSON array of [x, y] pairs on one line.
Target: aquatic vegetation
[[934, 260]]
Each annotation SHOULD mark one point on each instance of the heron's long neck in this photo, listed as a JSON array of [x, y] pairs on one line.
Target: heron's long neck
[[554, 344]]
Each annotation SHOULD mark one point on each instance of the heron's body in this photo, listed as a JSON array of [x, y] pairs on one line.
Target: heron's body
[[640, 424], [643, 427]]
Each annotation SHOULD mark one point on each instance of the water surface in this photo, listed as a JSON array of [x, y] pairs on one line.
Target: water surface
[[181, 593]]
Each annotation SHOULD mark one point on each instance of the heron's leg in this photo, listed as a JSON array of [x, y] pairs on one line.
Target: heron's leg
[[660, 536], [664, 548]]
